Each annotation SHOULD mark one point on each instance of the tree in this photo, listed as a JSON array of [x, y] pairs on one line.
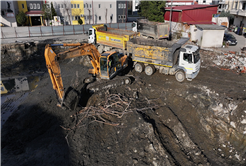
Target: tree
[[46, 11], [21, 18], [226, 14], [53, 11], [152, 10], [80, 21]]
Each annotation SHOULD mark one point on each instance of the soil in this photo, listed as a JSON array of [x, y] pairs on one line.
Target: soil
[[163, 122]]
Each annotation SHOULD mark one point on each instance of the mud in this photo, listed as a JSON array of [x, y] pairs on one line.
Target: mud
[[165, 123]]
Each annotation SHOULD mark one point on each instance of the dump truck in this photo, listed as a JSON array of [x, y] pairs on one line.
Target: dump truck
[[168, 57], [106, 38], [150, 29]]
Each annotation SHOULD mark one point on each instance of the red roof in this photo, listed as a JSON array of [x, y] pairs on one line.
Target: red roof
[[189, 7], [181, 1], [34, 12]]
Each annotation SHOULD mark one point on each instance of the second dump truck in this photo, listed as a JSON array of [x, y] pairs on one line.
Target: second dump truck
[[168, 57], [107, 38], [151, 29]]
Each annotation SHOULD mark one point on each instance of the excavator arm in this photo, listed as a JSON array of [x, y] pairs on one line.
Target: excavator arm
[[52, 63]]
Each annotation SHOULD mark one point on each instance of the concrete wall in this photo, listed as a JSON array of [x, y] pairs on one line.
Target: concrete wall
[[221, 20], [207, 38]]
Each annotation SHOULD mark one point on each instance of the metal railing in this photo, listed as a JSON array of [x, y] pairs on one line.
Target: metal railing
[[40, 31]]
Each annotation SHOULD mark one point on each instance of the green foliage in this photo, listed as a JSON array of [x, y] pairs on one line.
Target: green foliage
[[226, 14], [152, 10], [53, 11], [46, 11], [80, 21], [21, 18]]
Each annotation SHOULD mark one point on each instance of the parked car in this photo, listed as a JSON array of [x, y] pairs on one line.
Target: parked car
[[226, 29], [230, 39]]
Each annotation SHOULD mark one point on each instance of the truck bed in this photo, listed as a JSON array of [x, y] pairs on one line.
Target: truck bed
[[152, 42], [117, 31]]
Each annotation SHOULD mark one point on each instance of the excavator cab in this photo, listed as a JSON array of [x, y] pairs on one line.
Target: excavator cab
[[111, 62]]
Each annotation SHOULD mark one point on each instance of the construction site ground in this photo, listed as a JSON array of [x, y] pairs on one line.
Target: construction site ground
[[154, 121]]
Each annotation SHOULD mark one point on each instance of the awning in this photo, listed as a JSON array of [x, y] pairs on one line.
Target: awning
[[34, 13]]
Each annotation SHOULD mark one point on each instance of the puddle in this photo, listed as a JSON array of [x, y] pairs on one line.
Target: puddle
[[18, 84], [13, 92]]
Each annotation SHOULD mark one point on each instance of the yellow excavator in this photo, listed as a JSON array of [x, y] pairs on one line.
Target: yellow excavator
[[105, 66]]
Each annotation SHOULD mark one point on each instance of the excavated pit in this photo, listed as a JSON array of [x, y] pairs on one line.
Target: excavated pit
[[163, 122]]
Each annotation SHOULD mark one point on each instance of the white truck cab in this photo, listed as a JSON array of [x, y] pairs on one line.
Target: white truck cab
[[92, 36], [189, 61]]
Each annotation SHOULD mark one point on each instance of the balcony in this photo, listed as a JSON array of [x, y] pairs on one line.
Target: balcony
[[238, 12], [222, 2]]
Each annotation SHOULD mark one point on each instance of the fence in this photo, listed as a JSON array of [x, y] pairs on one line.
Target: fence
[[39, 31]]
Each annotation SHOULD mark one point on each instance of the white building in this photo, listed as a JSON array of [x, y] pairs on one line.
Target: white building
[[238, 9], [8, 13]]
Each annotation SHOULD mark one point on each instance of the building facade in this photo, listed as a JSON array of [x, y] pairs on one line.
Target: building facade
[[34, 12], [9, 9], [122, 11], [238, 9], [63, 9]]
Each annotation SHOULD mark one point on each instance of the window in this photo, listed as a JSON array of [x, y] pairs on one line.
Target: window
[[71, 5], [74, 5], [90, 5], [86, 5], [58, 6], [85, 17], [99, 5], [34, 6], [22, 6], [124, 16], [77, 17], [204, 1], [61, 5], [244, 6], [110, 5], [124, 6], [31, 7], [188, 57], [119, 17], [72, 17], [38, 6], [236, 5], [78, 6], [65, 6], [99, 18]]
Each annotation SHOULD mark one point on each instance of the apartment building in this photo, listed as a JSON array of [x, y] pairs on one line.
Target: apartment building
[[238, 9], [122, 11], [63, 9]]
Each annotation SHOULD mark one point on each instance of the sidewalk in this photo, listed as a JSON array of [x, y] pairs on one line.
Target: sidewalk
[[80, 38]]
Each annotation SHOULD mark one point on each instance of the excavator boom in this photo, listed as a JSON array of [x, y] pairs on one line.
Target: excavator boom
[[52, 63]]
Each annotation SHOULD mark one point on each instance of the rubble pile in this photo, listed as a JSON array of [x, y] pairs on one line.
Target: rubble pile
[[231, 61]]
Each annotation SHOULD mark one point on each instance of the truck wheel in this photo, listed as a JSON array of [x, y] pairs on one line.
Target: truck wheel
[[128, 81], [149, 70], [180, 76], [139, 67]]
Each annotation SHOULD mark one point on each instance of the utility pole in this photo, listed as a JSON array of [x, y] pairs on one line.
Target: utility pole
[[92, 12], [170, 22]]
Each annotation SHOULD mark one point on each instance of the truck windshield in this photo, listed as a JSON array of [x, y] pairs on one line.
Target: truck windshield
[[196, 56], [90, 32]]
